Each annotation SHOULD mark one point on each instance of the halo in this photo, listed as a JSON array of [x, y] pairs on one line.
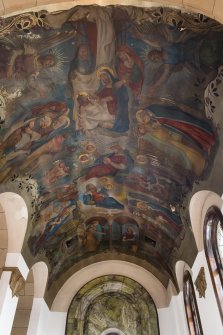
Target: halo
[[90, 147], [141, 159], [84, 158], [60, 59], [104, 180], [144, 56], [109, 186], [104, 68], [138, 116]]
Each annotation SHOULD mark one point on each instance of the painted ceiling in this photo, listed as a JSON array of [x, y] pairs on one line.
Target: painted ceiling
[[107, 123], [112, 302]]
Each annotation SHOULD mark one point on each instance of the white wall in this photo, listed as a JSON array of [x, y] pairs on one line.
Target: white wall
[[208, 308], [172, 319], [7, 304], [45, 322]]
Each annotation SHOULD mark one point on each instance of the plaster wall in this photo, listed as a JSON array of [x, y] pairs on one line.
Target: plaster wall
[[208, 308], [8, 304], [45, 322], [172, 320]]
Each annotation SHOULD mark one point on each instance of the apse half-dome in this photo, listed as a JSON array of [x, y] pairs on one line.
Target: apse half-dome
[[112, 305]]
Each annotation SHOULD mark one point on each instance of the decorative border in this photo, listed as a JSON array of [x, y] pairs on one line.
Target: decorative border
[[176, 18]]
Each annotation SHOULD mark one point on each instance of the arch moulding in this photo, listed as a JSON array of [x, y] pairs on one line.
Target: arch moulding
[[199, 204], [71, 287]]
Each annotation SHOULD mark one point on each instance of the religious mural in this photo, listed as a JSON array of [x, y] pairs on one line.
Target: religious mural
[[110, 302], [103, 108]]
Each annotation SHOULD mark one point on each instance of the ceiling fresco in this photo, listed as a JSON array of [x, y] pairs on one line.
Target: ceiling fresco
[[112, 302], [104, 126]]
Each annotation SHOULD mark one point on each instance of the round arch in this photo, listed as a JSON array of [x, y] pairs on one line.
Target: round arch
[[16, 218], [64, 297], [112, 331], [131, 306], [40, 276], [199, 205], [180, 268]]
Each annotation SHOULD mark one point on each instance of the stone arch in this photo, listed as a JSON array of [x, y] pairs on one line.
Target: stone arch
[[64, 297], [199, 204]]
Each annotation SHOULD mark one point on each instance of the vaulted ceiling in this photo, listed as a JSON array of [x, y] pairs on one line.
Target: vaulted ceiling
[[110, 120]]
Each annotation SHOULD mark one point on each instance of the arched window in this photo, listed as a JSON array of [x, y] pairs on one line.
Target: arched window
[[213, 245], [192, 313]]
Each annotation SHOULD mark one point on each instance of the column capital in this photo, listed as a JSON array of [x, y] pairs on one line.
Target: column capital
[[17, 282]]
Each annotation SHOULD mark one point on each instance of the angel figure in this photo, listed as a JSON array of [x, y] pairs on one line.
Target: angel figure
[[173, 51], [22, 61]]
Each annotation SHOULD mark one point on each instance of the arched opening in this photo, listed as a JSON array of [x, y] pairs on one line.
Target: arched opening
[[213, 245], [199, 205], [192, 313], [15, 218], [77, 280], [112, 305], [112, 331], [24, 307]]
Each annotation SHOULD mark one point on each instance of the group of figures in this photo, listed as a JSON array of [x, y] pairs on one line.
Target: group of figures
[[107, 123]]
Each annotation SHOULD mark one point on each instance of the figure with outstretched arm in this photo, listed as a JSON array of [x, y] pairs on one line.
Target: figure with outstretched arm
[[100, 198], [196, 54], [109, 165], [24, 63]]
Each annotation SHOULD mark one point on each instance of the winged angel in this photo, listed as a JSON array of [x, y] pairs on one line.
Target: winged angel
[[171, 50], [21, 62]]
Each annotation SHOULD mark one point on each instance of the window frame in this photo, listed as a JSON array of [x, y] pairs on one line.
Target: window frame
[[191, 308], [212, 218]]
